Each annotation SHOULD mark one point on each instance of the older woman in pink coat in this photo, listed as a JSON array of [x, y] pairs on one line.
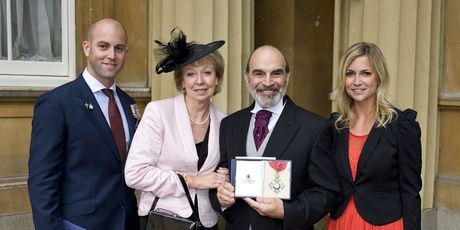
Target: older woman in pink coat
[[180, 134]]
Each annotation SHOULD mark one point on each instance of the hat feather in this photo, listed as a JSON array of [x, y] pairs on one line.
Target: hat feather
[[175, 51]]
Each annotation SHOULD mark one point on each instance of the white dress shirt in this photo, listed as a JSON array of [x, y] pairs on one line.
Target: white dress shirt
[[103, 101]]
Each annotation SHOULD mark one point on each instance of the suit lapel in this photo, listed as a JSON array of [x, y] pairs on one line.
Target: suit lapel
[[95, 115], [369, 147], [240, 132], [128, 112], [182, 121], [213, 140], [284, 130], [342, 151]]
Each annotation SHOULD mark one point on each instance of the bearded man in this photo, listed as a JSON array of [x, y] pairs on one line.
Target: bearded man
[[292, 133]]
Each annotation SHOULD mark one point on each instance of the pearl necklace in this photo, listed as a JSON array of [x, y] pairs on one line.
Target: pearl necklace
[[200, 123]]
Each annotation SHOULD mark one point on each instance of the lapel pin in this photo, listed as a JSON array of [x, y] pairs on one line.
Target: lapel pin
[[89, 106]]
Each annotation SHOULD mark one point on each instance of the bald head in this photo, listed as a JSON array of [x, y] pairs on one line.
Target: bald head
[[266, 50], [106, 50], [106, 22]]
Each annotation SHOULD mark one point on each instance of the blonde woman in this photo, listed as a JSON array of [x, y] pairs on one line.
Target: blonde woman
[[377, 148]]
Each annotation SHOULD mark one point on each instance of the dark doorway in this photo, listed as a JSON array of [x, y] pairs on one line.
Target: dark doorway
[[303, 30]]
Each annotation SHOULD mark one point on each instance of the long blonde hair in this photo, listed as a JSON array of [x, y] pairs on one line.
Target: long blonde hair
[[383, 109]]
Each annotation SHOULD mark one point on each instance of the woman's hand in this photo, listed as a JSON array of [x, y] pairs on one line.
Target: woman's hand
[[225, 172], [206, 181]]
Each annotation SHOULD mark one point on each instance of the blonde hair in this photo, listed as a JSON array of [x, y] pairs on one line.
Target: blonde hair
[[383, 108], [217, 61]]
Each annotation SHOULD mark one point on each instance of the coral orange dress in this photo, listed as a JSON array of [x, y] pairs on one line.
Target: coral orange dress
[[350, 219]]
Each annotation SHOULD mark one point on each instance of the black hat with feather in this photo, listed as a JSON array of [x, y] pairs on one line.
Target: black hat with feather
[[178, 53]]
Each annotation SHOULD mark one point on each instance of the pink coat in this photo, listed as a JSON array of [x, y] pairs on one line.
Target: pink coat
[[162, 146]]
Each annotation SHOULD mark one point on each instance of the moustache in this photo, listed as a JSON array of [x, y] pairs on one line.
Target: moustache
[[273, 88]]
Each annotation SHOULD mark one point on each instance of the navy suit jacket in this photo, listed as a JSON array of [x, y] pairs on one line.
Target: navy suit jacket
[[299, 136], [75, 173], [388, 181]]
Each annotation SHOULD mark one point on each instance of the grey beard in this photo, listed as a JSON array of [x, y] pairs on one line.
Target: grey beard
[[268, 101]]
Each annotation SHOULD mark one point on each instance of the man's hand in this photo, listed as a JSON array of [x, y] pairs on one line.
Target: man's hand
[[267, 206], [225, 194]]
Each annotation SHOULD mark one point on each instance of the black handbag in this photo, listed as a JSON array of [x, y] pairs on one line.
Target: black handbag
[[163, 221]]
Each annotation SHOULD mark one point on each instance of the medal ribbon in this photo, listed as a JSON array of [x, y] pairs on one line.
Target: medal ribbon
[[278, 165]]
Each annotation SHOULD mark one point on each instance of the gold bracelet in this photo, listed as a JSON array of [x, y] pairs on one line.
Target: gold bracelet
[[185, 178]]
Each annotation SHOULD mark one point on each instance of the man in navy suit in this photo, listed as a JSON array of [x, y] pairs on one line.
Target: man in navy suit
[[293, 134], [76, 165]]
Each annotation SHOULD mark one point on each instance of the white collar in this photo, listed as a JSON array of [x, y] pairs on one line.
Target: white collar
[[276, 109], [94, 84]]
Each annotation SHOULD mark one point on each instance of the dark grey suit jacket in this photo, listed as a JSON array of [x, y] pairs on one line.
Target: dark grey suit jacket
[[299, 136]]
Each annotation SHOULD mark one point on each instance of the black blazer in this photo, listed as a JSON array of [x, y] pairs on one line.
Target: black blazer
[[297, 136], [75, 172], [388, 181]]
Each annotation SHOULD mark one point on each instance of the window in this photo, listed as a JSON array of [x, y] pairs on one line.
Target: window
[[36, 42]]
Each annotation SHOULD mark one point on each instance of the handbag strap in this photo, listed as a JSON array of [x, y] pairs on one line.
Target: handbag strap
[[189, 198], [154, 204]]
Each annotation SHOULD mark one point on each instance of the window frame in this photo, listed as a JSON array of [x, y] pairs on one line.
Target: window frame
[[31, 74]]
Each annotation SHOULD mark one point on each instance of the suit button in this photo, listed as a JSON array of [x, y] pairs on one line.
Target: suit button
[[122, 206]]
